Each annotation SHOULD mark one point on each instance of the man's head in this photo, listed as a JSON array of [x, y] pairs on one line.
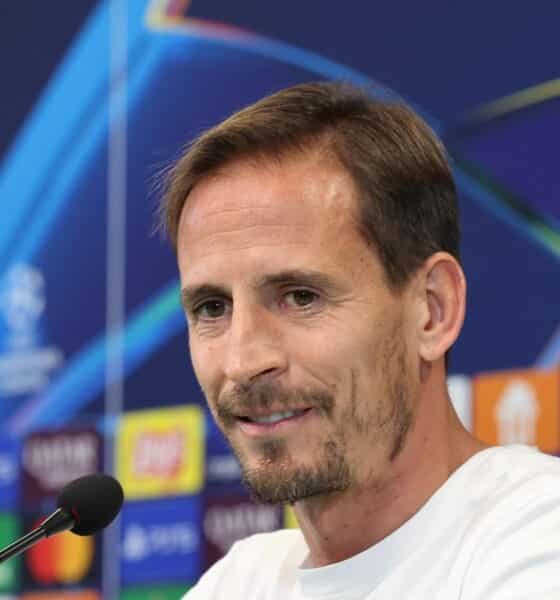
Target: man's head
[[406, 194], [317, 240]]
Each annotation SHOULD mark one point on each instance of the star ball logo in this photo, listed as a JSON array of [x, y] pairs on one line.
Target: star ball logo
[[64, 558], [22, 299], [26, 363]]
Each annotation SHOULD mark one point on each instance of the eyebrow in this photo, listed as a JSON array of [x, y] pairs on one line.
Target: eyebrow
[[191, 293], [302, 276]]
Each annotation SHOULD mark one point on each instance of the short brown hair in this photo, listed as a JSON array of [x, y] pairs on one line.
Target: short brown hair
[[407, 196]]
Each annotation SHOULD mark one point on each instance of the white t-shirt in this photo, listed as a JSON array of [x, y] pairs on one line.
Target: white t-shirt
[[491, 532]]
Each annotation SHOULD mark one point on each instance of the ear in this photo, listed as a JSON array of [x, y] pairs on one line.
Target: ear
[[442, 294]]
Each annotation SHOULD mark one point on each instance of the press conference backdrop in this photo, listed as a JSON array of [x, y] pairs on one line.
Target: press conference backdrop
[[97, 97]]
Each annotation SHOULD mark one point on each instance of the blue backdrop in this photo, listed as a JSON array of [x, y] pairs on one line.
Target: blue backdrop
[[99, 96]]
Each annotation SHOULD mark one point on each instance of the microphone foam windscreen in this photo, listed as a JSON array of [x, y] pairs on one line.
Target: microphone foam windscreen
[[93, 500]]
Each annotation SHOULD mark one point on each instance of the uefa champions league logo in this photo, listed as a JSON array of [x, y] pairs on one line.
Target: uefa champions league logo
[[25, 366], [22, 302]]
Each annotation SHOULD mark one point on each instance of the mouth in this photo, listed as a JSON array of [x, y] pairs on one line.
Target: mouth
[[271, 422]]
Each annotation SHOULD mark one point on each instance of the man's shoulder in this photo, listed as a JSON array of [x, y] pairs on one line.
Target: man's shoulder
[[520, 468], [513, 544], [505, 483]]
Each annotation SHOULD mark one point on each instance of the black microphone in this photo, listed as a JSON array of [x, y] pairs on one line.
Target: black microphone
[[85, 506]]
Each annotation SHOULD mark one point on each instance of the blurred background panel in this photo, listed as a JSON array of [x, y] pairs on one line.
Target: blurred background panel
[[98, 97]]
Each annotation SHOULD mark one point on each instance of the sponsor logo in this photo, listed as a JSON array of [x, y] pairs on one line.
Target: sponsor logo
[[224, 525], [25, 366], [52, 459], [161, 452], [223, 468], [516, 414], [65, 558], [140, 541], [8, 469], [160, 592], [232, 517], [519, 407], [60, 595], [160, 540], [9, 474], [9, 570]]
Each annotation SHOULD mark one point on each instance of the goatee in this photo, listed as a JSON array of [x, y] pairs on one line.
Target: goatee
[[276, 479]]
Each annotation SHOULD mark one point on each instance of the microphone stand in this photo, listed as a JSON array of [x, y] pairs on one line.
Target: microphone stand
[[22, 544], [59, 521]]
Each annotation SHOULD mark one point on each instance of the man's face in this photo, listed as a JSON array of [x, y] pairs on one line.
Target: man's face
[[299, 346]]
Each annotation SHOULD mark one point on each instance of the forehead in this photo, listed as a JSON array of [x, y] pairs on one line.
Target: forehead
[[274, 191], [296, 210]]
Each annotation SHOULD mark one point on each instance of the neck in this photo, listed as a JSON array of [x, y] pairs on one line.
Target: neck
[[340, 525]]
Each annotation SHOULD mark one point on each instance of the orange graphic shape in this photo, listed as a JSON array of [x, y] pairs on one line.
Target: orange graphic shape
[[75, 556], [518, 407], [64, 558]]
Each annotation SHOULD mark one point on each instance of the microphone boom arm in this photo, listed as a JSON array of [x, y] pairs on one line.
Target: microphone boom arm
[[59, 521]]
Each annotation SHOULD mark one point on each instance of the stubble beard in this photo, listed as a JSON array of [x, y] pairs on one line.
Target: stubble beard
[[277, 478], [278, 481]]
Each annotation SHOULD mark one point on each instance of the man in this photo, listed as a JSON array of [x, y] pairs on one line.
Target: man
[[318, 247]]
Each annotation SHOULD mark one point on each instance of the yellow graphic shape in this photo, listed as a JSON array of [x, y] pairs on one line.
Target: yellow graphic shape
[[290, 519], [74, 556], [161, 452], [536, 94]]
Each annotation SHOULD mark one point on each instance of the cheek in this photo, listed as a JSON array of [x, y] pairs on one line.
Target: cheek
[[341, 352], [204, 360], [328, 360]]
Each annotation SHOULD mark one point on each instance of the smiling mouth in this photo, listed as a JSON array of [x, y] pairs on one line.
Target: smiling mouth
[[274, 418]]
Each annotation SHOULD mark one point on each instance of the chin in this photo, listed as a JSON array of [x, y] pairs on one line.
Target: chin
[[278, 479]]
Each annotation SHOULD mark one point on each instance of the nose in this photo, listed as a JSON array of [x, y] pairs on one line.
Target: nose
[[254, 345]]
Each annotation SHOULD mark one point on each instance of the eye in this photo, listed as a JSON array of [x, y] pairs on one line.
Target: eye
[[211, 309], [300, 298]]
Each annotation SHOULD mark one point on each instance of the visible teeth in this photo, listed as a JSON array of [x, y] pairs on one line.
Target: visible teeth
[[274, 418]]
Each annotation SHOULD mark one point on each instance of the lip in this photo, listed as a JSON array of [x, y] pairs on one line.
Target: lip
[[285, 425], [271, 411]]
